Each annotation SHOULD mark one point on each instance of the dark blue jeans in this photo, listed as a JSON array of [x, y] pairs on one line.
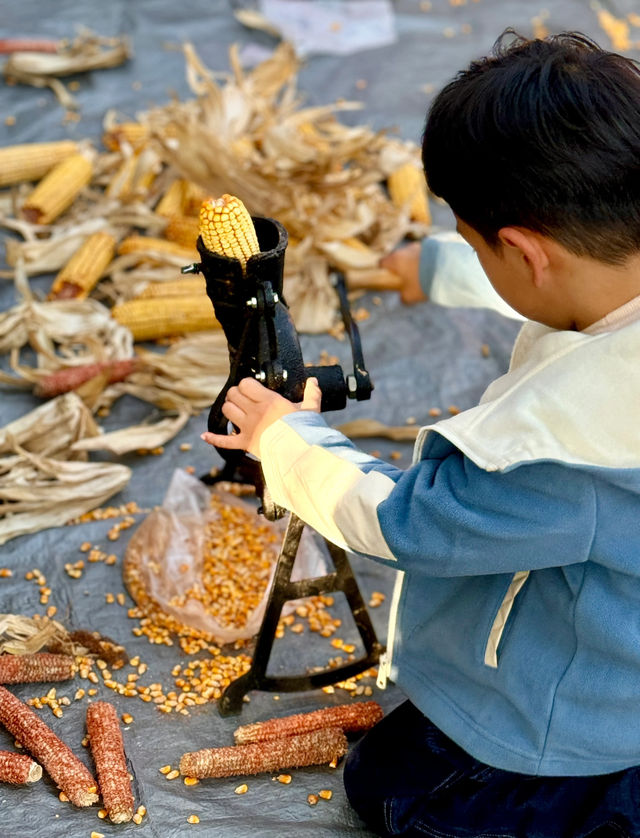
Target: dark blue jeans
[[405, 777]]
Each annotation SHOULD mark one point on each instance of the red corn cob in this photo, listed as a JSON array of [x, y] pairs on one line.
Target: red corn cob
[[313, 748], [43, 666], [62, 381], [18, 768], [60, 763], [351, 718], [107, 747]]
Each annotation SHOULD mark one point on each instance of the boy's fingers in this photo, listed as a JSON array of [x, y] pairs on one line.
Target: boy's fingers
[[233, 412], [223, 440], [312, 395], [252, 389]]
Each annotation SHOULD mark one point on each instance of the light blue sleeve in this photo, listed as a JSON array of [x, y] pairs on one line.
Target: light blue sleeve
[[451, 275]]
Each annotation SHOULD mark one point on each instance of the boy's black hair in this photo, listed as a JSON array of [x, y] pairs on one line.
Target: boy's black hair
[[542, 134]]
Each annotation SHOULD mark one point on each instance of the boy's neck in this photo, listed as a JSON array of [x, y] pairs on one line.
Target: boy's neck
[[589, 290]]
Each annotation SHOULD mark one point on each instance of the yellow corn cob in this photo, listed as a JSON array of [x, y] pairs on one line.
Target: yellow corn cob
[[182, 229], [407, 188], [58, 189], [147, 246], [150, 319], [133, 133], [32, 161], [226, 228], [81, 273], [173, 200], [187, 287]]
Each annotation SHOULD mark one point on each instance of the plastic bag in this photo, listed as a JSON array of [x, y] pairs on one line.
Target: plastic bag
[[226, 595]]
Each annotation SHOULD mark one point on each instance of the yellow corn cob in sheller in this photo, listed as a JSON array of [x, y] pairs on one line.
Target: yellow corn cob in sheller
[[58, 189], [150, 319], [408, 188], [226, 228], [32, 161], [81, 273]]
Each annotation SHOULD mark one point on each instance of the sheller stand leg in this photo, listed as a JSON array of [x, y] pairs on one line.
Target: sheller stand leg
[[284, 589]]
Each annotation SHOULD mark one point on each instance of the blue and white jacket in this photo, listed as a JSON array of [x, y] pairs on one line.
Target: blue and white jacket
[[515, 624]]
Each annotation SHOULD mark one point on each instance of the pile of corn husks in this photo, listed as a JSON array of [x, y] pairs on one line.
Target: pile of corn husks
[[247, 135]]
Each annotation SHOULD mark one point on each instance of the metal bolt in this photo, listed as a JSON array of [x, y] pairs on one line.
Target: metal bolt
[[252, 302], [275, 297], [352, 384], [261, 376], [285, 375]]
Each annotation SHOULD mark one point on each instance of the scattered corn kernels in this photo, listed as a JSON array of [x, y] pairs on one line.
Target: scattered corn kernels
[[242, 789], [312, 799], [325, 794], [191, 781], [193, 819], [172, 774]]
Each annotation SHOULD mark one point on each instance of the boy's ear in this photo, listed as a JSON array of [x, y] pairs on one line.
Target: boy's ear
[[530, 248]]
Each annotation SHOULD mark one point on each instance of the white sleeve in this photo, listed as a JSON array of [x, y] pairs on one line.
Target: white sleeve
[[451, 275]]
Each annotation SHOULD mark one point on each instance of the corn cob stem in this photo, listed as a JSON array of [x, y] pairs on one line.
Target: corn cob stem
[[57, 759], [226, 228], [107, 748], [18, 768], [42, 666], [350, 718], [314, 748], [62, 381]]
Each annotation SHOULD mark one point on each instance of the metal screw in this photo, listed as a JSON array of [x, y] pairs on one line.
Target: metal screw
[[261, 376], [352, 384], [285, 375], [252, 302], [275, 297]]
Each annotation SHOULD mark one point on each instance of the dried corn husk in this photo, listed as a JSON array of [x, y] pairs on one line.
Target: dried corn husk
[[21, 635], [50, 429], [40, 492], [86, 52], [135, 437]]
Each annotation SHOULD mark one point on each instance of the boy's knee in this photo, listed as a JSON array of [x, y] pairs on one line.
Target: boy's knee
[[361, 779]]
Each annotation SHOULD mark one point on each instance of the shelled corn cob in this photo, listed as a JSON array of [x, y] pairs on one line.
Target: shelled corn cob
[[315, 748], [58, 189], [31, 161], [18, 768], [41, 666], [107, 749], [64, 768], [226, 228], [150, 248], [350, 718], [81, 273], [407, 187]]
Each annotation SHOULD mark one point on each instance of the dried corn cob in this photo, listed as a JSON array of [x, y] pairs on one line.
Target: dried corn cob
[[32, 161], [226, 228], [150, 248], [173, 200], [351, 718], [187, 287], [81, 273], [62, 381], [134, 134], [64, 768], [107, 747], [150, 319], [42, 666], [58, 189], [18, 768], [314, 748], [194, 195], [183, 229], [408, 188]]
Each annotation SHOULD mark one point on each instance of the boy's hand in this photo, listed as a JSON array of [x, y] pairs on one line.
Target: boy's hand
[[252, 408], [405, 263]]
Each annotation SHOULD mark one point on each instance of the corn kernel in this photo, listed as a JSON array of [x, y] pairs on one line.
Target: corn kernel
[[241, 789], [325, 794], [193, 819]]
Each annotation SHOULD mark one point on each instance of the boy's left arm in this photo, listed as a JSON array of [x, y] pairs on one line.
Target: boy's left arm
[[447, 515]]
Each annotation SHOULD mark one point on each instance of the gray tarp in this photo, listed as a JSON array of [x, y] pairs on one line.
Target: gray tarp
[[419, 357]]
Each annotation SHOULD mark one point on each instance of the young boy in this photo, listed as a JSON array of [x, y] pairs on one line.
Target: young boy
[[515, 626]]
